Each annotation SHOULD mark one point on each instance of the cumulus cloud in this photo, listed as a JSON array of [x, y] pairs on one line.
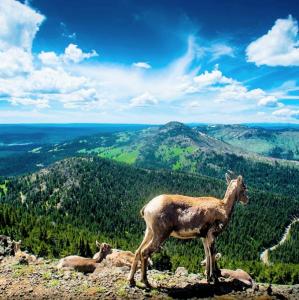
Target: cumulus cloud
[[287, 113], [73, 53], [49, 58], [142, 65], [15, 61], [18, 25], [144, 99], [48, 80], [269, 101], [208, 79], [278, 47]]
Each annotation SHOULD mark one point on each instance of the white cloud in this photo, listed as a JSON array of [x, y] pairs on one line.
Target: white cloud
[[279, 47], [85, 98], [18, 25], [208, 79], [73, 53], [287, 113], [15, 61], [39, 103], [142, 65], [144, 99], [269, 101], [219, 50], [63, 80], [48, 80], [49, 58]]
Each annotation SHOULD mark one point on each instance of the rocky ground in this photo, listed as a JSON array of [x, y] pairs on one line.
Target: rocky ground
[[43, 281]]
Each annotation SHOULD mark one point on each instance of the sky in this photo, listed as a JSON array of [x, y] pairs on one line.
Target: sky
[[150, 62]]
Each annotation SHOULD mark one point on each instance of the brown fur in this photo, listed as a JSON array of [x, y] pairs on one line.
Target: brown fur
[[187, 217], [23, 257], [78, 263], [116, 257], [83, 264], [121, 258], [239, 275]]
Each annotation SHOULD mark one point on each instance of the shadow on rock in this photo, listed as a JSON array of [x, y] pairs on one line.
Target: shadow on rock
[[203, 290]]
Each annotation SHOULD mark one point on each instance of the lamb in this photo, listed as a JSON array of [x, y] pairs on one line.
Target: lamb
[[239, 275], [116, 257], [83, 264], [22, 256]]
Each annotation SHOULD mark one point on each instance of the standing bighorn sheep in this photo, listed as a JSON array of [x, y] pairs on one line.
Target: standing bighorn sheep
[[187, 217]]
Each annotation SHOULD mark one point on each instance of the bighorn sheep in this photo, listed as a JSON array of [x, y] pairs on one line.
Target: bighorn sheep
[[187, 217], [239, 275], [22, 256], [116, 257], [83, 264]]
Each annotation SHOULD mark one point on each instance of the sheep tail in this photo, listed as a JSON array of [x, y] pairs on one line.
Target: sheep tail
[[142, 211]]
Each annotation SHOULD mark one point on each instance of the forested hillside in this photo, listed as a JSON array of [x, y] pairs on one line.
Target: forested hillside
[[63, 209]]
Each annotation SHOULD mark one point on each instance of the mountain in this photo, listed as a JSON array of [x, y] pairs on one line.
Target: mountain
[[273, 142], [173, 146], [64, 208]]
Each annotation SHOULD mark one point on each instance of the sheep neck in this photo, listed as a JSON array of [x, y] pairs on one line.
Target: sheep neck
[[230, 198]]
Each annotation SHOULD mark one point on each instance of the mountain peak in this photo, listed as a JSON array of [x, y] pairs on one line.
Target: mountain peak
[[174, 125]]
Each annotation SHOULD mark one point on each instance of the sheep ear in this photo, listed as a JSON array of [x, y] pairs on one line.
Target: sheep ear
[[228, 179], [98, 244], [240, 179]]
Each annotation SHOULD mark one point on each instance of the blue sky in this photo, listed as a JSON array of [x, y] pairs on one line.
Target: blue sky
[[149, 61]]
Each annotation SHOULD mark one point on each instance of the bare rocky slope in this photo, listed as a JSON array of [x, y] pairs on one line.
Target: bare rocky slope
[[43, 281]]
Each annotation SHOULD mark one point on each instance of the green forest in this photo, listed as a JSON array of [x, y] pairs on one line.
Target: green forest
[[63, 209]]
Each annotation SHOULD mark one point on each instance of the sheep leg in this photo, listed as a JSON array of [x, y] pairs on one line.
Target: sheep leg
[[144, 263], [214, 268], [212, 252], [146, 252], [208, 261], [146, 239]]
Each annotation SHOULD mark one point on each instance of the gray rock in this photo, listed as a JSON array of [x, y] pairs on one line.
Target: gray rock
[[181, 271]]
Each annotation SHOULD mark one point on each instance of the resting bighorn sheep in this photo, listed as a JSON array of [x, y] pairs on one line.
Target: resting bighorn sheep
[[117, 258], [22, 256], [239, 275], [187, 217], [83, 264]]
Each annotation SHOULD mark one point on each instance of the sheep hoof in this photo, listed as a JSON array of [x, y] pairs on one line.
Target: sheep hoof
[[132, 282], [146, 283]]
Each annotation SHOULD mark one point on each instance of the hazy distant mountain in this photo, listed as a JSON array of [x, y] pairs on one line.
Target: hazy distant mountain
[[273, 142], [173, 146]]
